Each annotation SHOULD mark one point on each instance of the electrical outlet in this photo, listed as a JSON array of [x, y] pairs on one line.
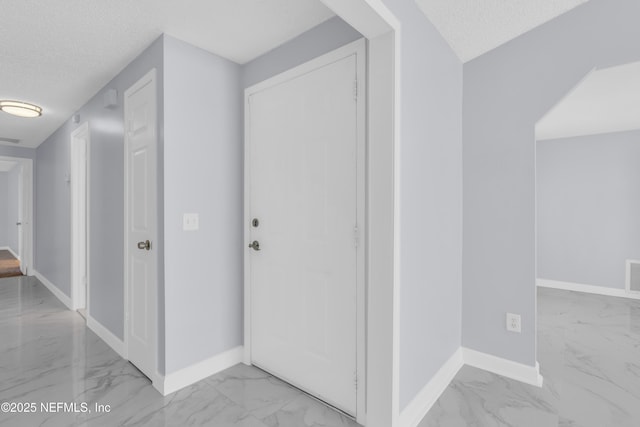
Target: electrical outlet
[[514, 323]]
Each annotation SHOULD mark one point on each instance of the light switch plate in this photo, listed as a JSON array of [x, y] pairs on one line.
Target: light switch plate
[[191, 222]]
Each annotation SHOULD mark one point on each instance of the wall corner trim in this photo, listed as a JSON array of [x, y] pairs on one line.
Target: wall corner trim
[[54, 289], [507, 368], [589, 289], [106, 335], [416, 410], [198, 371]]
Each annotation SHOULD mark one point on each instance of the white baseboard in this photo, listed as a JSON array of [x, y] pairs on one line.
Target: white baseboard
[[192, 374], [590, 289], [424, 400], [106, 335], [54, 289], [427, 397], [7, 248], [507, 368]]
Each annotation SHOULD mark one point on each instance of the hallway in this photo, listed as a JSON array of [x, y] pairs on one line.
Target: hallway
[[48, 355]]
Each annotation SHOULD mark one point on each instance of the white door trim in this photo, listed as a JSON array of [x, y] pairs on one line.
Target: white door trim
[[156, 378], [25, 197], [80, 142], [359, 49]]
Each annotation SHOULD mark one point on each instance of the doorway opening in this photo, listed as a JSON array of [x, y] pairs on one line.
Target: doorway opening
[[587, 197], [587, 146], [19, 241]]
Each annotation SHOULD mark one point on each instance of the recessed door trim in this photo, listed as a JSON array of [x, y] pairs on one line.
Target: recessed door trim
[[359, 49]]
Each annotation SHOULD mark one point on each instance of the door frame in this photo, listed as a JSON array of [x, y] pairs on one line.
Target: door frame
[[25, 207], [149, 77], [80, 139], [357, 48]]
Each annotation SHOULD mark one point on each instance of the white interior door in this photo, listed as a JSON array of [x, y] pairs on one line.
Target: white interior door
[[302, 168], [141, 223], [79, 143], [21, 219]]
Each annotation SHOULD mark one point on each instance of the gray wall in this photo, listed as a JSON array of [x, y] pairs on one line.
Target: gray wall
[[13, 207], [203, 174], [4, 210], [430, 200], [53, 216], [588, 205], [505, 92]]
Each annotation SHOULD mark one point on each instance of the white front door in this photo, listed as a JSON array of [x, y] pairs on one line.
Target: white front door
[[302, 160], [141, 224]]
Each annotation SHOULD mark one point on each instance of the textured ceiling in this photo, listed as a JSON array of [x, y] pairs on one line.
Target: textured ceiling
[[607, 100], [59, 53], [473, 27]]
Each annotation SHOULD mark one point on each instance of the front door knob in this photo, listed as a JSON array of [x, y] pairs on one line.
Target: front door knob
[[144, 245], [255, 245]]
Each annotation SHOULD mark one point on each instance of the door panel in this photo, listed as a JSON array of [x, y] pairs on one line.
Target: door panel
[[139, 329], [303, 185]]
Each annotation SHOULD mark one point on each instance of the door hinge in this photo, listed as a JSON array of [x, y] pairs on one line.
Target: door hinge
[[355, 379], [356, 236], [355, 90]]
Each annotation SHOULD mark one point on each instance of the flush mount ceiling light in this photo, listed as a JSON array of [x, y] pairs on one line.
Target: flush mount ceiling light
[[21, 109]]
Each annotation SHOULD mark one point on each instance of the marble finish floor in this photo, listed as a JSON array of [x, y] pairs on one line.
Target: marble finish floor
[[48, 355], [589, 354]]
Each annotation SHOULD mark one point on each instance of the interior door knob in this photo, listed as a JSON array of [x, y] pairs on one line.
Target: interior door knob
[[255, 245], [18, 223], [144, 245]]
